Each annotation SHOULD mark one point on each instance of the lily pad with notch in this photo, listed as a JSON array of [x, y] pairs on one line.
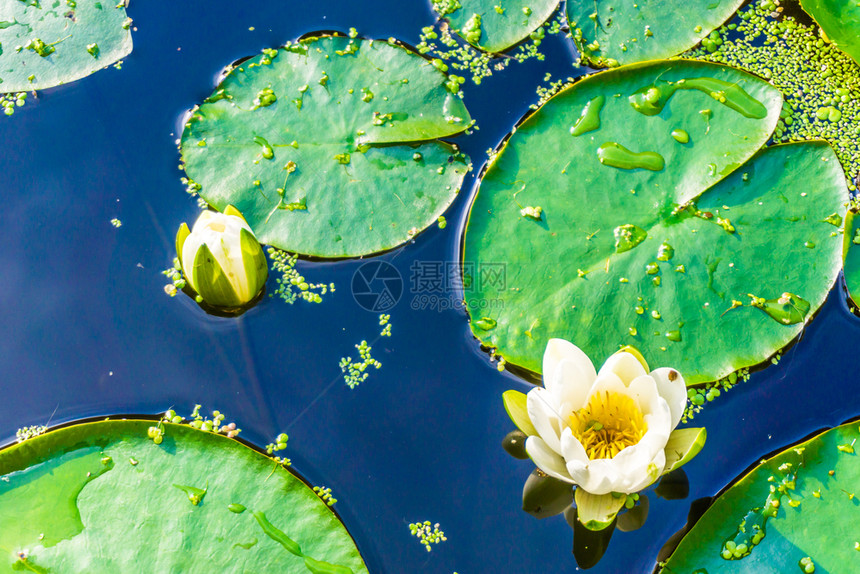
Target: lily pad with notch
[[330, 146], [702, 285]]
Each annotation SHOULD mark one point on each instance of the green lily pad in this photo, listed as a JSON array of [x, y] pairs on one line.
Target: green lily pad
[[103, 497], [840, 20], [45, 44], [495, 25], [328, 147], [796, 507], [610, 33], [851, 252], [583, 273]]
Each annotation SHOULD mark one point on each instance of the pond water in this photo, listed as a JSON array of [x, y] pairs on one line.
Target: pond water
[[87, 329]]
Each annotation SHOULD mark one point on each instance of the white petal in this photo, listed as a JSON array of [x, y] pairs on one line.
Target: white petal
[[643, 390], [607, 382], [632, 466], [543, 411], [659, 418], [571, 449], [647, 463], [547, 460], [205, 217], [671, 386], [601, 477], [659, 463], [558, 350], [625, 365], [631, 470], [570, 384]]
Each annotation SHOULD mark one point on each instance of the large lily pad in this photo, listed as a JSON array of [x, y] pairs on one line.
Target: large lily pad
[[840, 20], [102, 497], [641, 256], [328, 146], [495, 25], [606, 31], [46, 43], [795, 508]]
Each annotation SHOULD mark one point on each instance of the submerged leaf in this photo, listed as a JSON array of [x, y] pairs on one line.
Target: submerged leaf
[[545, 496]]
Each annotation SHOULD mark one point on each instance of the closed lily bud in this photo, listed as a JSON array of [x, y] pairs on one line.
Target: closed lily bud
[[221, 259]]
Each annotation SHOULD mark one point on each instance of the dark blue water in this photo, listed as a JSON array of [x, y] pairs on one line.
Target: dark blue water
[[87, 329]]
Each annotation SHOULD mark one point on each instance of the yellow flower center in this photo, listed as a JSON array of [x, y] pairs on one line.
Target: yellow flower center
[[217, 226], [608, 424]]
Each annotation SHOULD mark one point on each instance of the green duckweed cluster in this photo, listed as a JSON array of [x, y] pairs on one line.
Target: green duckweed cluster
[[199, 422], [30, 432], [156, 433], [193, 188], [445, 7], [752, 528], [354, 372], [821, 84], [500, 366], [279, 445], [325, 494], [177, 282], [698, 396], [630, 500], [427, 533], [10, 101], [545, 92], [291, 284], [451, 53], [384, 322]]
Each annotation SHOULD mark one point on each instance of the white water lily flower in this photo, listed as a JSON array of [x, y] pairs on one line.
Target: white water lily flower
[[609, 432], [221, 259]]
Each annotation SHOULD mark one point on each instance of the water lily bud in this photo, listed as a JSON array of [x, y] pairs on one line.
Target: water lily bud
[[221, 259]]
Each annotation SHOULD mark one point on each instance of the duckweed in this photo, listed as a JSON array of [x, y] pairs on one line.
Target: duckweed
[[820, 83]]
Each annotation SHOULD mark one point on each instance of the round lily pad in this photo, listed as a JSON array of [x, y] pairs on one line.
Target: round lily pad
[[608, 32], [840, 20], [495, 25], [612, 239], [793, 509], [328, 147], [103, 497], [44, 43]]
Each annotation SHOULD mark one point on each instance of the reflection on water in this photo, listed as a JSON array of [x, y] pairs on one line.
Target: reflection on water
[[544, 496]]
